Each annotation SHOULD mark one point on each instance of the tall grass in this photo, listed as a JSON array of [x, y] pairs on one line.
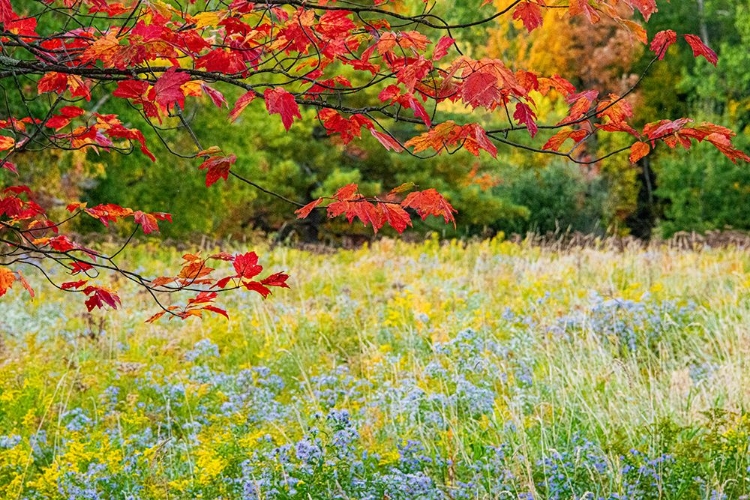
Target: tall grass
[[488, 370]]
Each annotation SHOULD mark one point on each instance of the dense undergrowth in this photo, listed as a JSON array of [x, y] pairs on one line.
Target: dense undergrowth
[[428, 371]]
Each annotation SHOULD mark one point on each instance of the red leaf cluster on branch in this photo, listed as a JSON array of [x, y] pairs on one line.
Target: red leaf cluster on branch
[[30, 235], [381, 211]]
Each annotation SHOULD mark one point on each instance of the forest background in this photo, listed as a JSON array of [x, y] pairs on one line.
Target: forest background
[[519, 192]]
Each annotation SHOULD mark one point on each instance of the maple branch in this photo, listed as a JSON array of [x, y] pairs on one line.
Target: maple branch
[[419, 19], [31, 251]]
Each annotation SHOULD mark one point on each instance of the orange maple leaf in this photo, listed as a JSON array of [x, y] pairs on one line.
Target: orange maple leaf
[[7, 277], [430, 202]]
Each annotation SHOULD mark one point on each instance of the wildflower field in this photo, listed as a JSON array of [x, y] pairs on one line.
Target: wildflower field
[[431, 371]]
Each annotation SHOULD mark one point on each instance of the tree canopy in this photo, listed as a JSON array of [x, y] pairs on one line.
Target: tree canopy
[[406, 73]]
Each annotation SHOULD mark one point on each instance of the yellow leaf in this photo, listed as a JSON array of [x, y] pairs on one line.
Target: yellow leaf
[[210, 151], [160, 8], [206, 19], [638, 31], [192, 88]]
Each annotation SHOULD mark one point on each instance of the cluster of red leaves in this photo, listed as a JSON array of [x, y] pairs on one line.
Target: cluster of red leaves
[[242, 38], [112, 213], [98, 296], [615, 112], [449, 135], [196, 272], [99, 131], [38, 235], [217, 167], [386, 210], [680, 133]]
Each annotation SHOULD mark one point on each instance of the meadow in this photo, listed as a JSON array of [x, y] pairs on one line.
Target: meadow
[[493, 370]]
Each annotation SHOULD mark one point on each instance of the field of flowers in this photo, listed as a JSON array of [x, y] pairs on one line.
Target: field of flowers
[[431, 371]]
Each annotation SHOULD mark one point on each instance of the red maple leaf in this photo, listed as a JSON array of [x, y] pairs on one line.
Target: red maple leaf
[[525, 115], [61, 243], [99, 297], [723, 144], [131, 89], [246, 265], [442, 47], [348, 192], [241, 104], [276, 279], [106, 49], [475, 139], [67, 113], [560, 84], [638, 151], [257, 286], [222, 60], [6, 12], [52, 82], [216, 97], [217, 168], [280, 101], [80, 266], [618, 127], [335, 24], [439, 137], [410, 71], [366, 212], [303, 212], [389, 94], [615, 108], [59, 83], [387, 141], [430, 202], [395, 216], [167, 92], [73, 284], [530, 14], [347, 128], [556, 141], [701, 49], [580, 107], [419, 110], [117, 130], [202, 298], [194, 269], [481, 89], [346, 196], [109, 212], [661, 42], [656, 130], [149, 221]]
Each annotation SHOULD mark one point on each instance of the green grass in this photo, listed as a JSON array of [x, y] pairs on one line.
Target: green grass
[[492, 370]]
